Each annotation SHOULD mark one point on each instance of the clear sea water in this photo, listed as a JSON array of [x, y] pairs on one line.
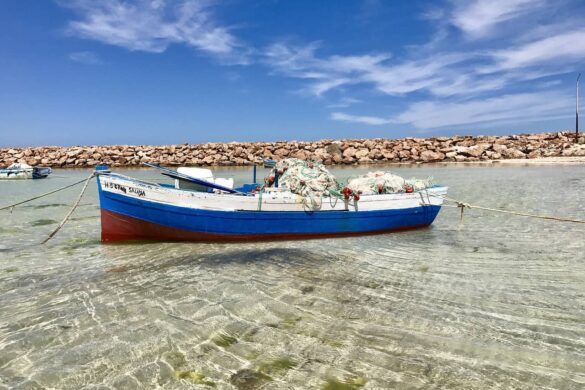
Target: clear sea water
[[493, 302]]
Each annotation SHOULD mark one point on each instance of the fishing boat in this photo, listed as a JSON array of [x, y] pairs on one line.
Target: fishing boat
[[24, 171], [199, 207]]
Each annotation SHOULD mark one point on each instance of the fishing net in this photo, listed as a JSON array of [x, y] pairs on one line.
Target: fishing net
[[308, 179], [386, 183], [313, 181]]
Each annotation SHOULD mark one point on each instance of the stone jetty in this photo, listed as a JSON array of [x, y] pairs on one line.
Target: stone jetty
[[349, 151]]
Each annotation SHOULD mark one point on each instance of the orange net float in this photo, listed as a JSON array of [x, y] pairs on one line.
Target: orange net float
[[346, 192]]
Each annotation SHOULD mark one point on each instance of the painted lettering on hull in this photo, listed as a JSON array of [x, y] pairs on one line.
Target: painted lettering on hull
[[125, 189]]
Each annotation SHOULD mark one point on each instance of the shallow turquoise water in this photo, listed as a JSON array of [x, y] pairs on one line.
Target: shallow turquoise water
[[493, 302]]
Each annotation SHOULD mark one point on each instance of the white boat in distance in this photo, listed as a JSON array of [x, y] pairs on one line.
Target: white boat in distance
[[18, 171]]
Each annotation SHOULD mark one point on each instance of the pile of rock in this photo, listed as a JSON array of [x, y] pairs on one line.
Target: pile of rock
[[423, 150]]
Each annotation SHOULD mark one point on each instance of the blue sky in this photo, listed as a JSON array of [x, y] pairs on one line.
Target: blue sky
[[79, 72]]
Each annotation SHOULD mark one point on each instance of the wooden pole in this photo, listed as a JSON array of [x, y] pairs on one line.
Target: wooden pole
[[577, 110]]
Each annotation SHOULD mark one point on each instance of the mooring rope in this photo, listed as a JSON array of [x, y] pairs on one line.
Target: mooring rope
[[43, 195], [464, 205], [259, 208], [64, 221]]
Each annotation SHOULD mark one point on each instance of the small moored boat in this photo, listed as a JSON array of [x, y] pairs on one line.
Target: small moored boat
[[199, 207], [24, 171]]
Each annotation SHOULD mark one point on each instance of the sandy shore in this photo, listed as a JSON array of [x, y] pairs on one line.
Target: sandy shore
[[524, 161], [544, 160]]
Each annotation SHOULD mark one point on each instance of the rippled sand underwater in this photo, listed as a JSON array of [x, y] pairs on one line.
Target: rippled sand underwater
[[493, 302]]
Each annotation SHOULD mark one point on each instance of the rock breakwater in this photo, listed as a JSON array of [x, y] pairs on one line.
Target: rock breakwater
[[363, 151]]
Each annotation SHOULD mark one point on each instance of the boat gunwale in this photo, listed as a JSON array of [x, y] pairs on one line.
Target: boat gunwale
[[364, 197]]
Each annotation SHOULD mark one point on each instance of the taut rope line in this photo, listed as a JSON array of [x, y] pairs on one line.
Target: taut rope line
[[464, 205], [45, 194], [70, 211]]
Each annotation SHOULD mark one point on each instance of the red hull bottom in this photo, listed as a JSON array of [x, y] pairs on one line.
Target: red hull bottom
[[118, 227]]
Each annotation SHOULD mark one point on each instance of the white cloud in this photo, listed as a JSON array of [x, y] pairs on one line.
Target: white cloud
[[446, 68], [564, 47], [455, 77], [344, 102], [442, 74], [448, 76], [478, 18], [85, 57], [505, 108], [433, 13], [368, 120], [328, 73], [550, 83], [432, 74], [152, 26], [294, 61]]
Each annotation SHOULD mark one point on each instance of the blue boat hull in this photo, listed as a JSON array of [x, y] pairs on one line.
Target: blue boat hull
[[127, 218]]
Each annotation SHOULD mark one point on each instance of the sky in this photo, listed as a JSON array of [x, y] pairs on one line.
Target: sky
[[86, 72]]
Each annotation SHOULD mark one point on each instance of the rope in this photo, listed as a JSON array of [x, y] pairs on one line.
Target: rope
[[334, 193], [463, 206], [42, 195], [260, 198], [337, 195], [70, 211], [313, 206], [333, 204]]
